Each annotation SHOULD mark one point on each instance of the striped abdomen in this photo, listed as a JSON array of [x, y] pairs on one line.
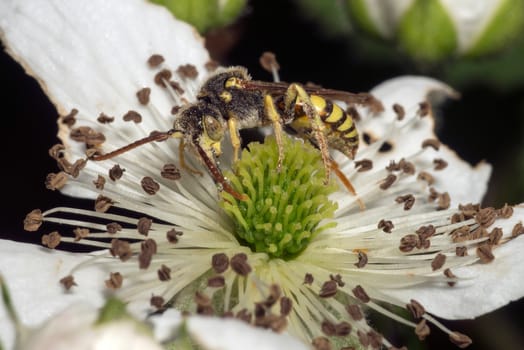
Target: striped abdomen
[[339, 128]]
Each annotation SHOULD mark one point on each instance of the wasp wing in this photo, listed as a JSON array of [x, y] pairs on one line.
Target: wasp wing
[[280, 89]]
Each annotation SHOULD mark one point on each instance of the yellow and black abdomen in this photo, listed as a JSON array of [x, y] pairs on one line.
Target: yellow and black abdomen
[[339, 128]]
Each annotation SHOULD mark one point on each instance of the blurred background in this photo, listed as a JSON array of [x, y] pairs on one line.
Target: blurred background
[[346, 45]]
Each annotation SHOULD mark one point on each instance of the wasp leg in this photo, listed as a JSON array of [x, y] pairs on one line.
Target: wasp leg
[[345, 181], [272, 114], [183, 163], [216, 174], [296, 94], [232, 125]]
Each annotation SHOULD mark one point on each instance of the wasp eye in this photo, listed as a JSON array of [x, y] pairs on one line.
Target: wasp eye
[[213, 128]]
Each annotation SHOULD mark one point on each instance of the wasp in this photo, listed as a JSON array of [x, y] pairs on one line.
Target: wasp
[[229, 101]]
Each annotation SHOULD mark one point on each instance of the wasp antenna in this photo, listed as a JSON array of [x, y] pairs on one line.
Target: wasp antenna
[[217, 175], [155, 136]]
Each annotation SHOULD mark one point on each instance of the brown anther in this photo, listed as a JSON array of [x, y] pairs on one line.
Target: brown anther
[[175, 110], [460, 340], [443, 201], [115, 280], [269, 62], [362, 260], [375, 339], [75, 168], [416, 309], [99, 182], [33, 220], [328, 328], [363, 339], [144, 225], [343, 329], [361, 294], [385, 225], [363, 165], [164, 273], [433, 143], [408, 243], [116, 172], [407, 168], [422, 329], [518, 229], [240, 265], [132, 116], [407, 199], [388, 181], [274, 294], [155, 60], [461, 234], [172, 235], [427, 177], [105, 119], [56, 181], [486, 216], [202, 299], [308, 279], [87, 135], [276, 323], [157, 302], [484, 253], [211, 65], [220, 262], [469, 210], [355, 312], [439, 164], [399, 111], [216, 281], [51, 240], [337, 278], [70, 118], [449, 274], [143, 95], [286, 304], [120, 249], [147, 250], [328, 289], [170, 172], [438, 261], [163, 77], [353, 112], [80, 233], [461, 251], [425, 232], [505, 212], [178, 89], [495, 236], [187, 71], [103, 203], [68, 282], [424, 109], [393, 166], [149, 185], [321, 343], [244, 315], [113, 227]]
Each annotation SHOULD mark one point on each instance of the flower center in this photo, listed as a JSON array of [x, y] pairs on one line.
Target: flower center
[[285, 208]]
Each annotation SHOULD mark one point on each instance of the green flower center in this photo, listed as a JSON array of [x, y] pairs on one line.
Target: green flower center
[[285, 208]]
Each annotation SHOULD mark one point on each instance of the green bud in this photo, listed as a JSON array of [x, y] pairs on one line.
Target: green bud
[[205, 14]]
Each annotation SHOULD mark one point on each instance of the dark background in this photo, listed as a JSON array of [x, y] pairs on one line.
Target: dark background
[[485, 124]]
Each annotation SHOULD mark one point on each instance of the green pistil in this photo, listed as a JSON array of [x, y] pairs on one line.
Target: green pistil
[[284, 209]]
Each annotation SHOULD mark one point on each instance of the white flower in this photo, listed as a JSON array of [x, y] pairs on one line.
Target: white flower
[[410, 246], [436, 29]]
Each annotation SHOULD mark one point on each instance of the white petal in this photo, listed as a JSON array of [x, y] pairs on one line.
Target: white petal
[[487, 286], [32, 275], [231, 334], [464, 183], [91, 55]]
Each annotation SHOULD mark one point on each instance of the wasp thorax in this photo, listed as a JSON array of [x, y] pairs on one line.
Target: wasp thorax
[[284, 210]]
